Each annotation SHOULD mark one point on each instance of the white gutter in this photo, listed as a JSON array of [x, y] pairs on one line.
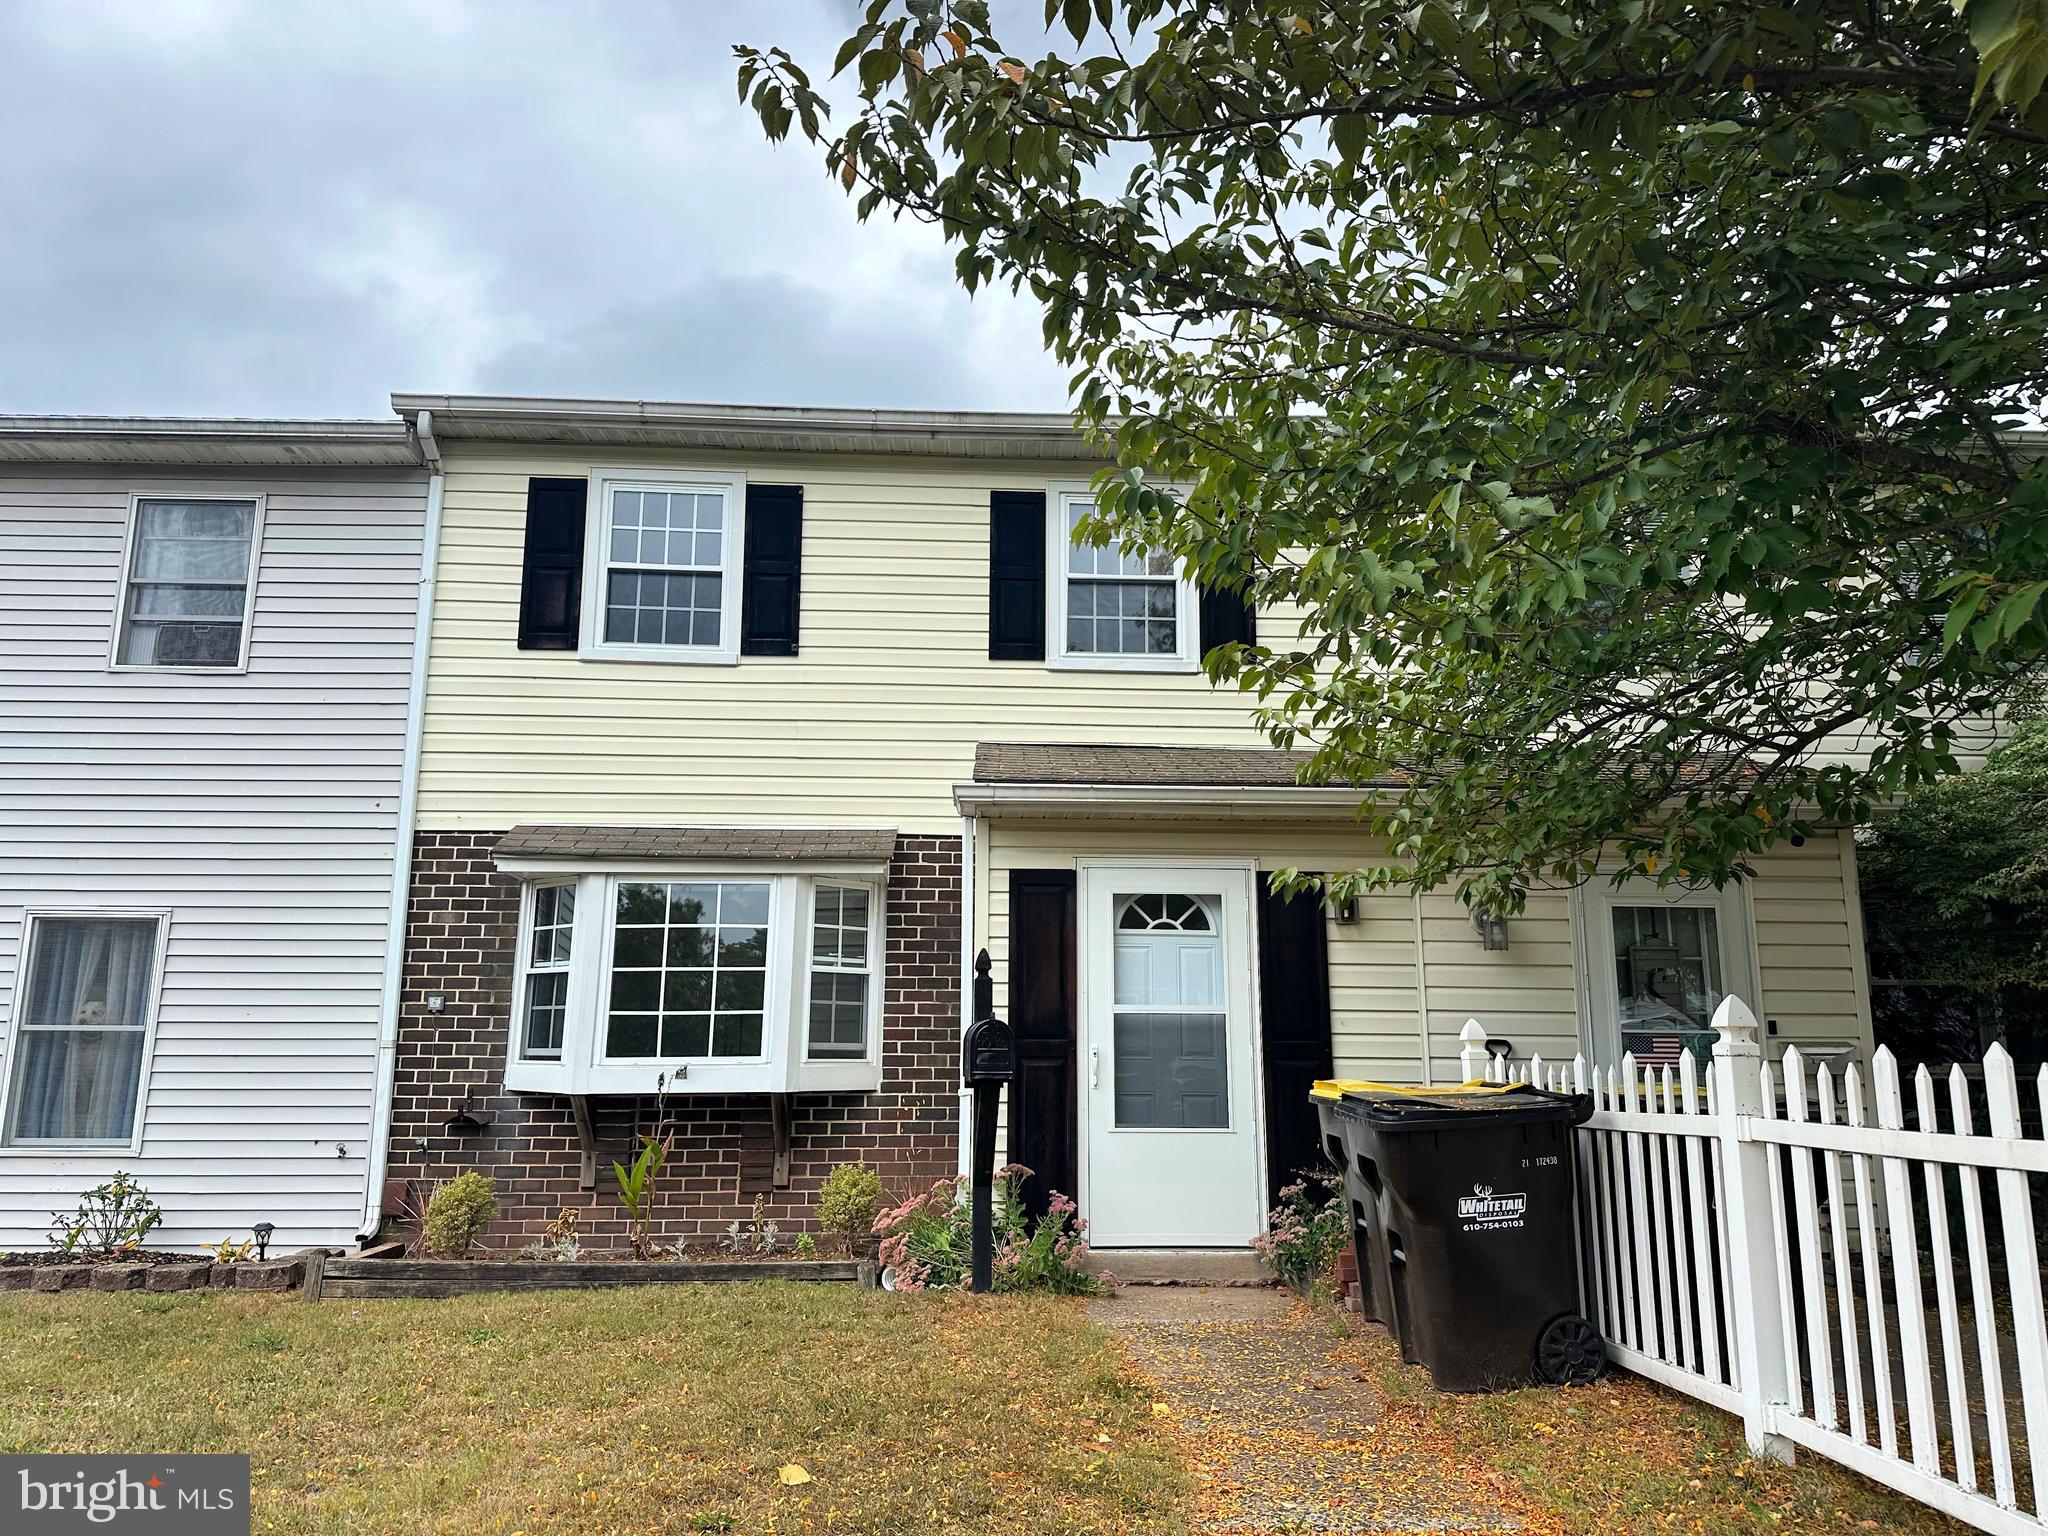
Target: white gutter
[[401, 861], [967, 953]]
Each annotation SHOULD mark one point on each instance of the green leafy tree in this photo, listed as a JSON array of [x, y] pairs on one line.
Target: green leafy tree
[[1955, 891], [1623, 394]]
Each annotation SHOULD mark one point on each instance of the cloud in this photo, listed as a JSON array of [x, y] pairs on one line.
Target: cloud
[[224, 207], [763, 340]]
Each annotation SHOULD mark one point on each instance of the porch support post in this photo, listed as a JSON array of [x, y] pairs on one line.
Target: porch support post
[[1758, 1322]]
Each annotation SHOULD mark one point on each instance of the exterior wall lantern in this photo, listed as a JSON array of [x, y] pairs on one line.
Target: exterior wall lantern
[[1493, 931]]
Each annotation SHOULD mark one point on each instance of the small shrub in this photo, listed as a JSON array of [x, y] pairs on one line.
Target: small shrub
[[806, 1246], [111, 1220], [457, 1211], [848, 1202], [1306, 1231]]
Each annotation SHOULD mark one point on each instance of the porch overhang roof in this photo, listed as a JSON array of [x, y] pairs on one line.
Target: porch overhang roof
[[1052, 779]]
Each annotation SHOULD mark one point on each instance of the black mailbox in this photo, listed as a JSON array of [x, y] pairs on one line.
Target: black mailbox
[[989, 1053]]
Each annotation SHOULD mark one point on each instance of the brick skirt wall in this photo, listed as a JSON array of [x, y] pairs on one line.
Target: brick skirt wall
[[461, 927]]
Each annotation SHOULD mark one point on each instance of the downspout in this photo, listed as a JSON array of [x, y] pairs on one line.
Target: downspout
[[401, 862], [967, 953]]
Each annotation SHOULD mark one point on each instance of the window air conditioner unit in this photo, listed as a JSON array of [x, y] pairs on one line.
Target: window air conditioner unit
[[198, 645]]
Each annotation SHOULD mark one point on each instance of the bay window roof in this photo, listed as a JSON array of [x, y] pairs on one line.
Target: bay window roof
[[789, 845]]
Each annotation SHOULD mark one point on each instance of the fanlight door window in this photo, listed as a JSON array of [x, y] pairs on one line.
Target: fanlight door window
[[1168, 1017]]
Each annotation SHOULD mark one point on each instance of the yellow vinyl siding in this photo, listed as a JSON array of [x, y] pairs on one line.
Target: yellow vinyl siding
[[1810, 968], [873, 723]]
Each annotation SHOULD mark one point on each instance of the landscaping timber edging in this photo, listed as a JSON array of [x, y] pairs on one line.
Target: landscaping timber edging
[[359, 1278]]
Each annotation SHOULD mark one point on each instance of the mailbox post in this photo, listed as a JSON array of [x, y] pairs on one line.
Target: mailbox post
[[988, 1059]]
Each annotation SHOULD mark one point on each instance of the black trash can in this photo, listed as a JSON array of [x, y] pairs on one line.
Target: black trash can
[[1462, 1202]]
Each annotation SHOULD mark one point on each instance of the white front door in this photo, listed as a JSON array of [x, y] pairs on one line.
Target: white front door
[[1169, 1069], [1660, 960]]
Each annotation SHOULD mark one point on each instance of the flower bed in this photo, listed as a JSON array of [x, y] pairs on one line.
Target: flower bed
[[926, 1242]]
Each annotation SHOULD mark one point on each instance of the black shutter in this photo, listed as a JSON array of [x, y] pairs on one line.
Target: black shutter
[[1044, 1018], [771, 583], [1226, 617], [1016, 576], [551, 572], [1294, 1023]]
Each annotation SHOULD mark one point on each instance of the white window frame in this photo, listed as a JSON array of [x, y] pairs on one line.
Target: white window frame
[[597, 563], [784, 1064], [1060, 497], [11, 1031], [775, 968], [1599, 997], [129, 550], [870, 972], [527, 969]]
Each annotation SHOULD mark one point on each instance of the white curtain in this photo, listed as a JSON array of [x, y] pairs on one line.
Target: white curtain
[[82, 1028]]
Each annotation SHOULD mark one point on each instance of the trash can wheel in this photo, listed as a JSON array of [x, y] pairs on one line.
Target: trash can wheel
[[1570, 1352]]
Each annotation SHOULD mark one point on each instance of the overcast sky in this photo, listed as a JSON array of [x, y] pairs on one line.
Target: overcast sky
[[277, 207]]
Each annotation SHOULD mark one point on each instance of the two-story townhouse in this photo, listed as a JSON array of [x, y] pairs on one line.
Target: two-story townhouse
[[747, 728], [207, 657]]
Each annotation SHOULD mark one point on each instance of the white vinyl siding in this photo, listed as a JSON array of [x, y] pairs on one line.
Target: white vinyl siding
[[256, 809]]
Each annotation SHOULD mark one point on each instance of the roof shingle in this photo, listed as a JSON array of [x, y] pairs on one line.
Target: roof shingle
[[739, 844], [1011, 762]]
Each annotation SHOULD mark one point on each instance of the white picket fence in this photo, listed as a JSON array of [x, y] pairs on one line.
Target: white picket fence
[[1765, 1239]]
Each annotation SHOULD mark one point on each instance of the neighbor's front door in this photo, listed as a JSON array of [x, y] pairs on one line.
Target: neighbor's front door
[[1169, 1079]]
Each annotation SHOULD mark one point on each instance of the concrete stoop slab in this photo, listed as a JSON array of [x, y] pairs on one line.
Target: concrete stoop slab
[[1180, 1266]]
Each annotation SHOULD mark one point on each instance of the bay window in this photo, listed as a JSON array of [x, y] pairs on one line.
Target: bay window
[[711, 980], [547, 970], [841, 973]]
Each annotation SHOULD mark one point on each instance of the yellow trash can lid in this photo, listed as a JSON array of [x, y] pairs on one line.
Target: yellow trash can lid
[[1337, 1087]]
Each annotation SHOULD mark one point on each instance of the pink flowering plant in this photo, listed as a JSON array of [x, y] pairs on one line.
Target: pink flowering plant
[[927, 1240], [1306, 1231]]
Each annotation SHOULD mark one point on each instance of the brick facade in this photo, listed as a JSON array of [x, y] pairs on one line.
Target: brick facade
[[461, 927]]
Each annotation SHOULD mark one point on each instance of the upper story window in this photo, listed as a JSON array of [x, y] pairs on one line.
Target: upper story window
[[664, 583], [1113, 608], [186, 591], [81, 1029]]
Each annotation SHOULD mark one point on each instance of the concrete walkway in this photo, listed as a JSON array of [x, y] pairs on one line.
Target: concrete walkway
[[1285, 1437]]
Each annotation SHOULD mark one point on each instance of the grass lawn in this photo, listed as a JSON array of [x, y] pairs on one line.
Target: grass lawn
[[650, 1410], [1629, 1455], [658, 1410]]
